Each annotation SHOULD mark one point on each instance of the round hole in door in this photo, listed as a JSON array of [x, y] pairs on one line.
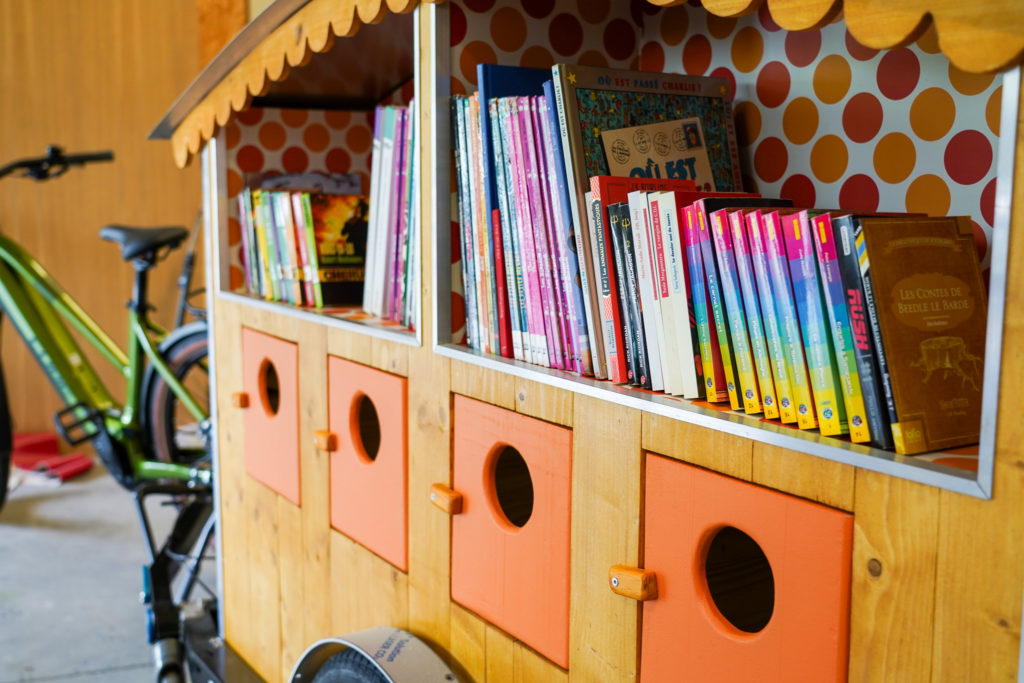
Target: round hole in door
[[365, 427], [270, 387], [740, 580], [512, 486]]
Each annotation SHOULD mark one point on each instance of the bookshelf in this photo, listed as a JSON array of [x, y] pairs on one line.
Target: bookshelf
[[822, 120], [921, 604], [314, 116]]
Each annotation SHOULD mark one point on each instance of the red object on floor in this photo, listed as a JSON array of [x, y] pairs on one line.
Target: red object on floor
[[40, 452]]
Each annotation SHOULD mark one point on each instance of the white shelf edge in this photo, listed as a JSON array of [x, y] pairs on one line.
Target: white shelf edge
[[812, 443], [407, 337]]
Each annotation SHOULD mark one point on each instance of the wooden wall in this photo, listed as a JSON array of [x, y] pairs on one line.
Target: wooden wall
[[89, 75]]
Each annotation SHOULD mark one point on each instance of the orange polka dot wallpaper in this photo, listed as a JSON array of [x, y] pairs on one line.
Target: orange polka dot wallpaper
[[266, 141], [830, 123]]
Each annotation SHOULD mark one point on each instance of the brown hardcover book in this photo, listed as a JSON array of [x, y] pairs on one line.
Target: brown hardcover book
[[931, 308]]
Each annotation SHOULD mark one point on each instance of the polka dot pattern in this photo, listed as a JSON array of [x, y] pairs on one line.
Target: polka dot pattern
[[820, 115], [266, 142]]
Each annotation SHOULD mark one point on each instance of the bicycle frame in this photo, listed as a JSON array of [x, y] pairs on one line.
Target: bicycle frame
[[38, 307]]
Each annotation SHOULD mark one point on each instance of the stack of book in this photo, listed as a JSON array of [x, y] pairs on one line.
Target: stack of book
[[315, 248], [665, 277]]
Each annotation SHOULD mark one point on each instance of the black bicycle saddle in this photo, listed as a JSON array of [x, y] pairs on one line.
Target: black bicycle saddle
[[136, 242]]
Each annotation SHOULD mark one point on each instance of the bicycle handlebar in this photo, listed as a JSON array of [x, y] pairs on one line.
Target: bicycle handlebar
[[54, 164]]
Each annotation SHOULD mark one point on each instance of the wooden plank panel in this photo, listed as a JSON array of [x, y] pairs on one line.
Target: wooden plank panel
[[263, 648], [429, 528], [354, 347], [530, 667], [500, 661], [607, 471], [365, 590], [824, 481], [895, 547], [981, 561], [708, 448], [543, 402], [391, 357], [468, 644], [314, 464], [293, 596], [230, 445], [483, 384]]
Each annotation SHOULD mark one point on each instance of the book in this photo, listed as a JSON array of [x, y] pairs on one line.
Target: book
[[263, 220], [250, 258], [463, 211], [769, 318], [822, 367], [281, 206], [838, 319], [565, 239], [736, 321], [303, 211], [868, 370], [608, 302], [303, 244], [625, 273], [715, 390], [339, 232], [931, 307], [647, 288], [773, 243], [751, 309], [666, 149]]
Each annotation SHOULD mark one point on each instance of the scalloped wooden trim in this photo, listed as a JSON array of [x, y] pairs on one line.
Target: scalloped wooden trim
[[312, 29], [978, 36]]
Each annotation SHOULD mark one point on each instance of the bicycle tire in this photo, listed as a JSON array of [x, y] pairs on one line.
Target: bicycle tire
[[349, 666], [164, 420]]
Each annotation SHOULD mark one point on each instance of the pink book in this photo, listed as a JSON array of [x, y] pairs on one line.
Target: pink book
[[528, 253], [299, 221]]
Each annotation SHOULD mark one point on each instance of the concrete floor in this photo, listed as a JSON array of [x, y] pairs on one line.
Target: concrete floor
[[70, 576]]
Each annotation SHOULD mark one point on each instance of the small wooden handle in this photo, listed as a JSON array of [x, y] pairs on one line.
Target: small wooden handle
[[325, 440], [445, 498], [639, 584], [240, 399]]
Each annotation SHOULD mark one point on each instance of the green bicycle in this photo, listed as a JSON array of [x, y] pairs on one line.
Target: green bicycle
[[155, 443]]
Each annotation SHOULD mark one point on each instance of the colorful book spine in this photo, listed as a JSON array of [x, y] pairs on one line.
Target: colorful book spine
[[250, 262], [770, 318], [504, 221], [821, 362], [294, 200], [677, 299], [481, 234], [465, 226], [527, 249], [876, 329], [671, 369], [710, 351], [715, 305], [751, 308], [868, 370], [611, 320], [268, 244], [653, 334], [721, 238], [562, 336], [789, 326], [839, 324], [282, 206], [303, 207], [625, 272], [511, 220]]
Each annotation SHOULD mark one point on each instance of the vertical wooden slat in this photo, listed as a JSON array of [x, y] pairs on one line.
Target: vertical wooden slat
[[483, 384], [365, 590], [293, 595], [824, 481], [263, 649], [892, 606], [708, 448], [501, 659], [543, 402], [468, 644], [530, 667], [606, 488]]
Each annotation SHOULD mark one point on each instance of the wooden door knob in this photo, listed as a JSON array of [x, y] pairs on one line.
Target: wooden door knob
[[240, 399], [325, 440], [446, 499], [632, 582]]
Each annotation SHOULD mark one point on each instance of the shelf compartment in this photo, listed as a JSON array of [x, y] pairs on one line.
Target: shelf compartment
[[760, 580], [368, 413], [510, 542]]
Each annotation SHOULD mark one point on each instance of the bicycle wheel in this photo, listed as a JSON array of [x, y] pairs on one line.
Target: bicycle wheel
[[171, 433]]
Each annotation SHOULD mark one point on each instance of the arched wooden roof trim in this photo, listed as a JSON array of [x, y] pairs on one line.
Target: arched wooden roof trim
[[980, 36]]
